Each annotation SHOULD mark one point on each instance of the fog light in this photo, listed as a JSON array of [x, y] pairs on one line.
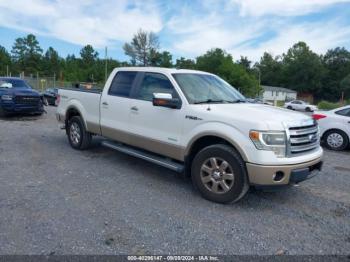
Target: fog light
[[279, 175]]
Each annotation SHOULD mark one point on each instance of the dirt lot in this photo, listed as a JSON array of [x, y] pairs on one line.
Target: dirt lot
[[55, 200]]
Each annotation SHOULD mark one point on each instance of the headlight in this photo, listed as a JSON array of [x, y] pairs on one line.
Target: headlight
[[6, 97], [271, 141]]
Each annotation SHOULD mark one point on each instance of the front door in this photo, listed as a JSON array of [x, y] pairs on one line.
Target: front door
[[154, 128]]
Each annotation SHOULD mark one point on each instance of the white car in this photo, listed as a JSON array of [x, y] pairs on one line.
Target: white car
[[335, 127], [300, 106], [194, 122]]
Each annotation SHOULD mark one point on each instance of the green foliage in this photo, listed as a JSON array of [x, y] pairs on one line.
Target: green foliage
[[326, 76], [280, 103], [27, 54], [325, 105], [337, 64], [184, 63], [164, 59], [218, 62], [270, 70], [303, 69], [5, 60]]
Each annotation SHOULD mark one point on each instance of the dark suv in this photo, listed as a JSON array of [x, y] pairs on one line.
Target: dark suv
[[16, 96]]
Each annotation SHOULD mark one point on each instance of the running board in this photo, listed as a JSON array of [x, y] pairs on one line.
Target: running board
[[164, 162]]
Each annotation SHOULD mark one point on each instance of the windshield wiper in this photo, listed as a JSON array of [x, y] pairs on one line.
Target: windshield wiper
[[237, 101], [208, 101]]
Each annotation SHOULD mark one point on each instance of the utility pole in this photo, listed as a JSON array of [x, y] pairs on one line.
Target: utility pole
[[7, 70], [106, 64], [54, 80]]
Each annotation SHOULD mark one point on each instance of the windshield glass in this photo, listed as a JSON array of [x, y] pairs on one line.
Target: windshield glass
[[206, 88], [13, 83]]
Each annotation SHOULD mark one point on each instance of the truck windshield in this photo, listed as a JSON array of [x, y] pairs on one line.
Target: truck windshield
[[203, 88], [13, 83]]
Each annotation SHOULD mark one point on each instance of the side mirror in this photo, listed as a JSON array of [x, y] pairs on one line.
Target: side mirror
[[166, 100]]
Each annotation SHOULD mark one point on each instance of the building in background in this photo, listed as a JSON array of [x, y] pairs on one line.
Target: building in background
[[275, 94]]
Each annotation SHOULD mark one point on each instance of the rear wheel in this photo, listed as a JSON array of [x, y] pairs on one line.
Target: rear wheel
[[289, 107], [336, 140], [78, 137], [308, 109], [218, 172]]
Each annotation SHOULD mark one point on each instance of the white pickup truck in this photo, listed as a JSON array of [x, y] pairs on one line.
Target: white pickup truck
[[194, 122]]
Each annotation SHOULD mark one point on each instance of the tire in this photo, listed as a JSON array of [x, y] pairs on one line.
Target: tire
[[289, 107], [78, 137], [209, 181], [336, 140], [308, 109]]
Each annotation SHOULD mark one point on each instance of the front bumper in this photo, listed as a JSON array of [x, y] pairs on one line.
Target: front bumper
[[262, 175]]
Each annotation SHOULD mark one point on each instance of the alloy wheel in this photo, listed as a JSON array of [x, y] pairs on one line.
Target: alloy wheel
[[217, 175]]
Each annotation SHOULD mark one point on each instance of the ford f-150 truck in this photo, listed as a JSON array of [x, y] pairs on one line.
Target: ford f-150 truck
[[194, 122], [16, 96]]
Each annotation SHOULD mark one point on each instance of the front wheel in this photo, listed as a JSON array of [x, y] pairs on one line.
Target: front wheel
[[336, 140], [289, 107], [78, 137], [218, 172]]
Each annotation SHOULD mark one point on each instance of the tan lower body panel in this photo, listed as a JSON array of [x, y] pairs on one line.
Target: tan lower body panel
[[264, 175], [93, 128], [149, 144]]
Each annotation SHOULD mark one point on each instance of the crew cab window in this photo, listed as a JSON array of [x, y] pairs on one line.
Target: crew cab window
[[122, 83], [344, 112], [154, 83]]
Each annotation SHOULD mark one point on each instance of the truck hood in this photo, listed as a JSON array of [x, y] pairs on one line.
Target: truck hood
[[255, 115], [19, 92]]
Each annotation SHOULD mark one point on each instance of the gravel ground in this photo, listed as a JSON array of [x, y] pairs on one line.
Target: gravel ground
[[56, 200]]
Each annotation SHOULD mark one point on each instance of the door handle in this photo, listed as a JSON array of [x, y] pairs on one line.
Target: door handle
[[134, 108], [105, 103]]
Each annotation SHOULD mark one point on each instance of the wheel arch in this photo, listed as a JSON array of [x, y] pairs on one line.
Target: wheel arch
[[203, 140], [73, 111]]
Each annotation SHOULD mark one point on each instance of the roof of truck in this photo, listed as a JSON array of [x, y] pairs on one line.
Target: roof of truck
[[160, 70]]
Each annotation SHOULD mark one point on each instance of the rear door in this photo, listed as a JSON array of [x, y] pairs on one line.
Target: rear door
[[115, 106], [154, 128], [343, 115]]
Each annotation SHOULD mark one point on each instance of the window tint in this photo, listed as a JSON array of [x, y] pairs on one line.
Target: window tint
[[154, 83], [344, 112], [122, 83]]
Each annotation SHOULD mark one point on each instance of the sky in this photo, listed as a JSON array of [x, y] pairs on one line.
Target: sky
[[186, 28]]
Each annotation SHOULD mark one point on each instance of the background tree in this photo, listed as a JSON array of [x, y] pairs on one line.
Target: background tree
[[245, 63], [302, 69], [51, 62], [184, 63], [142, 48], [218, 62], [337, 65], [88, 60], [270, 70], [27, 54], [5, 61], [163, 59], [345, 86]]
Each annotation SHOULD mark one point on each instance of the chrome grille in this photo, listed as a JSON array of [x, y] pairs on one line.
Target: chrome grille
[[302, 138]]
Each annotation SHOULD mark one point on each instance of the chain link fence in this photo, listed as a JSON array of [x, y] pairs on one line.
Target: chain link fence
[[41, 83]]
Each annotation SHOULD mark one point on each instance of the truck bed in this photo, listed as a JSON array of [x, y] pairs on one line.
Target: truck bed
[[87, 101]]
